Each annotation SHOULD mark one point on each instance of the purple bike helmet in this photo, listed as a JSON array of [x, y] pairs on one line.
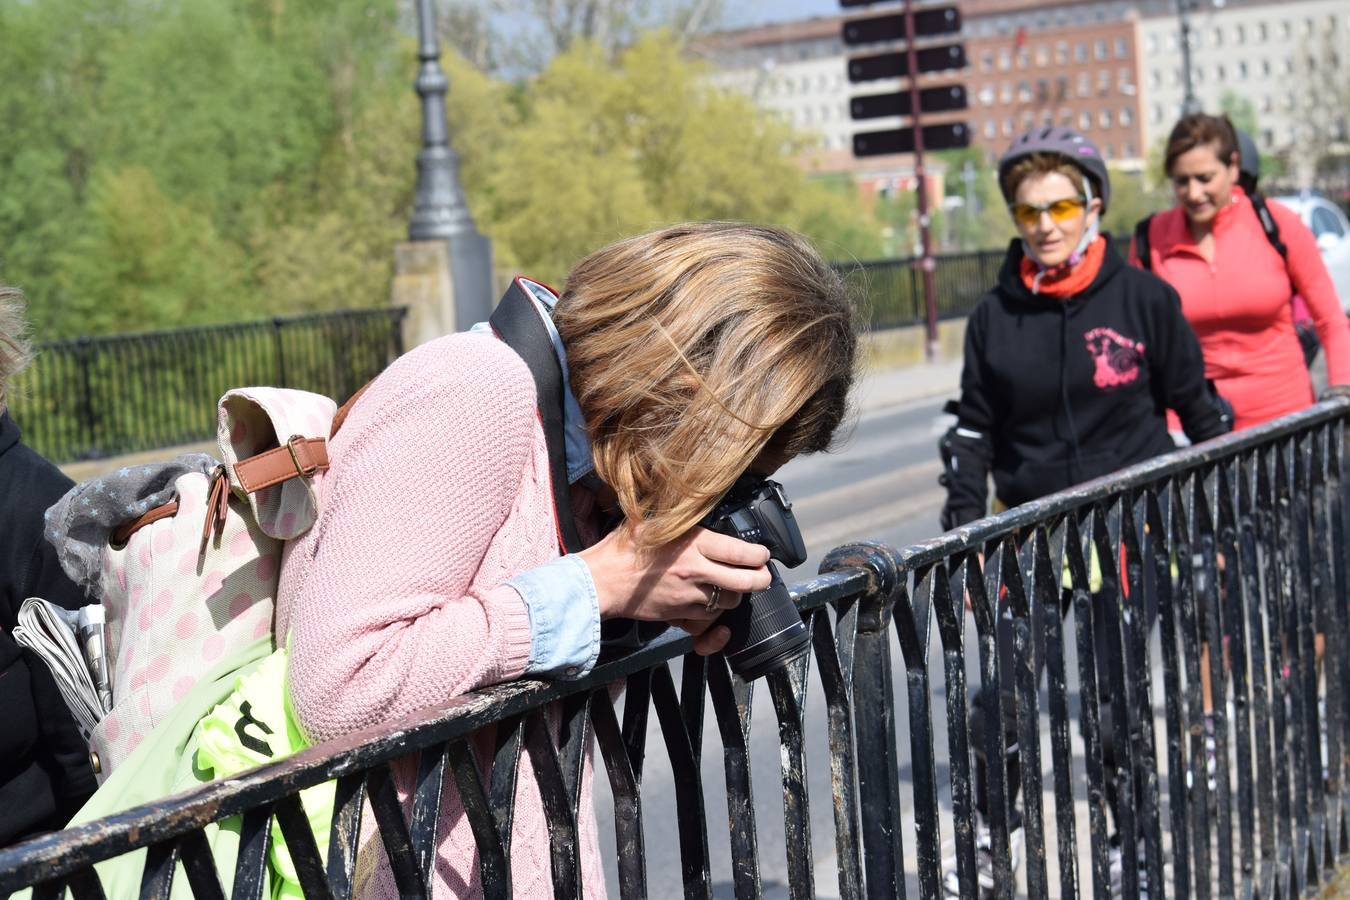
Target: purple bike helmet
[[1063, 142]]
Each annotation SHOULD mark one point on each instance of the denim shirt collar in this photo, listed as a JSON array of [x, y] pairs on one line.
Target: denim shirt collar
[[577, 443]]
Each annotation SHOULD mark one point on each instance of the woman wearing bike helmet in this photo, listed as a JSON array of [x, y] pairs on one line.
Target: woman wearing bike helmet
[[1071, 361]]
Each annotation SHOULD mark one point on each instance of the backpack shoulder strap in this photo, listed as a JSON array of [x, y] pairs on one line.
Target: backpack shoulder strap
[[1268, 223], [1141, 245]]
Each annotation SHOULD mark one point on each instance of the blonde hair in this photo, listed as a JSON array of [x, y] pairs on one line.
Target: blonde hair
[[695, 349], [15, 351], [1041, 164]]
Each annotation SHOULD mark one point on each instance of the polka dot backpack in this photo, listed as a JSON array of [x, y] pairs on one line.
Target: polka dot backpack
[[194, 580]]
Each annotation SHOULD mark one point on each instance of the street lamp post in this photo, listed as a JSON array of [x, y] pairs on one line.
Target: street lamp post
[[439, 210], [1189, 103]]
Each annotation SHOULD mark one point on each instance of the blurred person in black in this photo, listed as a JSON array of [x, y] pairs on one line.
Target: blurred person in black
[[45, 771]]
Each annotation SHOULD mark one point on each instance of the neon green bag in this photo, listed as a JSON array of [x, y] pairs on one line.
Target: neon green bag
[[253, 726]]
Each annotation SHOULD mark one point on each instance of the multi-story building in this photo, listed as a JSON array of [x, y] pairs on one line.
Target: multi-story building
[[1110, 68], [1287, 59]]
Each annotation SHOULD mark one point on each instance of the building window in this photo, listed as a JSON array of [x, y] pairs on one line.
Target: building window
[[1122, 48], [1104, 82], [1028, 119], [1126, 117], [1005, 59], [1240, 33], [1265, 68], [990, 129], [1151, 44], [1267, 103], [1289, 65], [1198, 74], [1155, 78], [1080, 51], [1008, 127], [1066, 118], [1099, 48], [1005, 92], [1023, 91], [1175, 78], [1106, 151], [1042, 90], [1123, 80], [1171, 41], [1220, 72], [1217, 36], [1104, 118], [1061, 88], [1042, 56], [1158, 113], [1061, 52], [987, 95], [987, 60], [1084, 84], [1286, 29], [1130, 150], [1047, 118], [1242, 70], [1085, 121], [1262, 35]]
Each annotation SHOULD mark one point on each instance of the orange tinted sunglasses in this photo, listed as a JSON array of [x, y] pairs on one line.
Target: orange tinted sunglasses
[[1061, 210]]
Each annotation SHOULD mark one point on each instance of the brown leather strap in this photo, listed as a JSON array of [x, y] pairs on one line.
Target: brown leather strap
[[217, 504], [298, 456], [345, 408], [122, 533]]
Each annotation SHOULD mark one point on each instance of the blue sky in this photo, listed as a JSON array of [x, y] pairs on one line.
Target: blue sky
[[756, 12]]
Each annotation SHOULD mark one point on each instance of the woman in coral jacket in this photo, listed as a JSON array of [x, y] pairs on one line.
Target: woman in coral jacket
[[1235, 287]]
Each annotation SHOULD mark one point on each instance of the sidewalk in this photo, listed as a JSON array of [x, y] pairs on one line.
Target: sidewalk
[[898, 386]]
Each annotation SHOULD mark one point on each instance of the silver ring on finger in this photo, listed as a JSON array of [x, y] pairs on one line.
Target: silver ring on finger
[[714, 599]]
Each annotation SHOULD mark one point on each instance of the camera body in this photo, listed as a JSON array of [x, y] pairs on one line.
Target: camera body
[[767, 631], [756, 510]]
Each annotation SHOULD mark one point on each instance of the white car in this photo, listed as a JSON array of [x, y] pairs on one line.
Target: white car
[[1329, 225]]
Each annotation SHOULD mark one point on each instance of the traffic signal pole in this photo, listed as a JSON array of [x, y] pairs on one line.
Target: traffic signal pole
[[926, 263]]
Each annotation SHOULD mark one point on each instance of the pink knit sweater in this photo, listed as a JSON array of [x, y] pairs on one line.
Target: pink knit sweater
[[396, 600]]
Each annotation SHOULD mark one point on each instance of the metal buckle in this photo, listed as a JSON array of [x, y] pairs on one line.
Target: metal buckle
[[295, 457]]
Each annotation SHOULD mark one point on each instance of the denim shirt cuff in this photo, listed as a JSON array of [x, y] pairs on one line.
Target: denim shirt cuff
[[564, 615]]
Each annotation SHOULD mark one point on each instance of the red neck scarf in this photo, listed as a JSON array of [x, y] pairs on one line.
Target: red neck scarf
[[1065, 280]]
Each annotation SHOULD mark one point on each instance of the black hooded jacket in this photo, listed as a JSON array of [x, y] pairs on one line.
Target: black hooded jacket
[[1058, 391], [45, 775]]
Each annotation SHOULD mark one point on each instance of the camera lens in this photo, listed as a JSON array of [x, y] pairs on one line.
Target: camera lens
[[767, 632]]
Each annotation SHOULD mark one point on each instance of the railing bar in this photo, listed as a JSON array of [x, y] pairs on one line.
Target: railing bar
[[987, 606], [85, 885], [630, 845], [913, 623], [157, 877], [689, 812], [734, 727], [393, 828], [636, 705], [1026, 699], [200, 866], [1089, 707], [303, 849], [1046, 581], [426, 807], [1305, 601], [693, 677], [843, 760], [1214, 629], [575, 737], [501, 794], [344, 836], [564, 848], [255, 840], [494, 869], [878, 781], [787, 688], [1283, 635], [1236, 638], [949, 609], [1190, 638]]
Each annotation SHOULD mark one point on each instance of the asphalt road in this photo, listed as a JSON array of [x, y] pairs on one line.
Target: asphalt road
[[880, 485]]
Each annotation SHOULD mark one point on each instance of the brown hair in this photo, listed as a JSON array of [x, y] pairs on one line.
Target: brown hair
[[15, 351], [1199, 129], [1041, 164], [694, 349]]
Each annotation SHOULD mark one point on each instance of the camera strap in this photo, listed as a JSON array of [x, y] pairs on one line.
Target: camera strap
[[517, 322]]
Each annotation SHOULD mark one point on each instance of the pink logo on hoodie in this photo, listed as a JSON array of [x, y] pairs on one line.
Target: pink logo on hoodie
[[1118, 358]]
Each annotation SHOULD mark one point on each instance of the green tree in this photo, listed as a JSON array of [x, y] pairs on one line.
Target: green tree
[[1240, 110]]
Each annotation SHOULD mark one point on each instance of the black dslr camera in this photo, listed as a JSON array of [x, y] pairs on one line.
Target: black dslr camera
[[766, 630]]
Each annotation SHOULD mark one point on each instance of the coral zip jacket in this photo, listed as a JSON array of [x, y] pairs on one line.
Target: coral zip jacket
[[1240, 310]]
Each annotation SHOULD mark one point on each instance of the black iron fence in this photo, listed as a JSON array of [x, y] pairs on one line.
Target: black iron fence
[[1239, 545], [95, 397], [891, 290]]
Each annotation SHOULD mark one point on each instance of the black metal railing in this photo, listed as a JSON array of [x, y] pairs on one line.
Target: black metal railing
[[890, 291], [95, 397], [1238, 543]]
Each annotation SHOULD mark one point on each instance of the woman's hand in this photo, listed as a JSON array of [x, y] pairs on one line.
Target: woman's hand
[[674, 582]]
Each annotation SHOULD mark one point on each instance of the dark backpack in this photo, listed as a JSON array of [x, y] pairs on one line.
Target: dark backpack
[[1307, 334]]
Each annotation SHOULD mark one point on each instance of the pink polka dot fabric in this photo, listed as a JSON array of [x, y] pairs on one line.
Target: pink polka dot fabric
[[175, 610]]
